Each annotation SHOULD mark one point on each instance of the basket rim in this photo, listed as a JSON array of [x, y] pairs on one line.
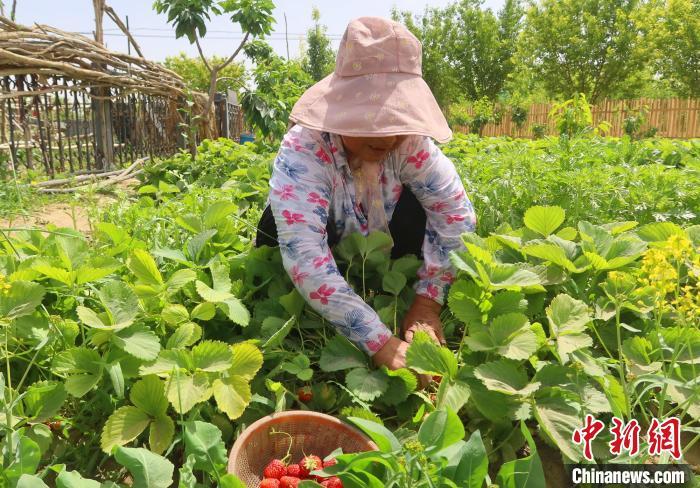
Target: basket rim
[[280, 417]]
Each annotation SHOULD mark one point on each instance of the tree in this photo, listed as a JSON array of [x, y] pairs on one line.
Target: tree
[[278, 85], [483, 47], [677, 38], [432, 30], [467, 50], [585, 46], [197, 76], [319, 59], [189, 19]]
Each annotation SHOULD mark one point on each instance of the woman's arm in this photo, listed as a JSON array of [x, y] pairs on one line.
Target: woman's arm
[[300, 192], [433, 179]]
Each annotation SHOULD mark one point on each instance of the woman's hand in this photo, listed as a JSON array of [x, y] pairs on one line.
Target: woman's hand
[[393, 356], [424, 314]]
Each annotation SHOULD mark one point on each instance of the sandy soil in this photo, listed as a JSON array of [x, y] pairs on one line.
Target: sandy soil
[[61, 214]]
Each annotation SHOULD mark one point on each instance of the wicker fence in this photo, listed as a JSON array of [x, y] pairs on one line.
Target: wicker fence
[[673, 117]]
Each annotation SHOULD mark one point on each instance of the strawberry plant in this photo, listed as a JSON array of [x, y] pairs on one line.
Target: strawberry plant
[[143, 349]]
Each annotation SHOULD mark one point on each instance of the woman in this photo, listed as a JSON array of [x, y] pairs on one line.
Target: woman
[[359, 159]]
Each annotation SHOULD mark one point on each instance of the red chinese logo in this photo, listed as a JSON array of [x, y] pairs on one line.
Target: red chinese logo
[[665, 436], [585, 435], [662, 437]]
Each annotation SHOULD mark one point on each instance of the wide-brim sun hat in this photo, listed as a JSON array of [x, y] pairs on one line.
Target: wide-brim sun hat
[[377, 88]]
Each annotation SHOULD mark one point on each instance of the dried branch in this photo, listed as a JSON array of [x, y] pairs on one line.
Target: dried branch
[[45, 50], [115, 18]]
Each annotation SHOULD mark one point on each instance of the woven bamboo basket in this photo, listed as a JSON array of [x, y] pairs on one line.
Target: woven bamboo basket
[[311, 432]]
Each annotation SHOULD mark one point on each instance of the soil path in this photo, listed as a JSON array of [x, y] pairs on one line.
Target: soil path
[[61, 214]]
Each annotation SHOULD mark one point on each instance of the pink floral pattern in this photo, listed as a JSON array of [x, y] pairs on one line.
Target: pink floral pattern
[[305, 194]]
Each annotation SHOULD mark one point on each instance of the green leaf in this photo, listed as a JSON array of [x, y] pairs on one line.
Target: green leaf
[[43, 400], [236, 311], [184, 391], [139, 341], [203, 442], [427, 357], [161, 434], [90, 318], [510, 275], [513, 336], [508, 302], [221, 281], [114, 370], [83, 365], [148, 470], [526, 472], [393, 282], [124, 425], [552, 253], [169, 362], [73, 479], [401, 383], [472, 464], [185, 335], [178, 279], [59, 274], [568, 318], [21, 299], [463, 301], [175, 314], [210, 294], [544, 220], [121, 303], [232, 395], [212, 356], [441, 429], [204, 311], [217, 212], [247, 360], [339, 354], [382, 437], [148, 394], [144, 267], [282, 329], [659, 231], [505, 376], [365, 384], [31, 481], [559, 418]]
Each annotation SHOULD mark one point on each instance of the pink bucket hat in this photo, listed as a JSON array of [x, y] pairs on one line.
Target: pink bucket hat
[[377, 88]]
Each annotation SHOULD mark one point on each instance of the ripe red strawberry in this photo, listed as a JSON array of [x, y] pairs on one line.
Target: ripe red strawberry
[[270, 483], [333, 482], [305, 394], [310, 463], [276, 469], [289, 482], [330, 462], [294, 470]]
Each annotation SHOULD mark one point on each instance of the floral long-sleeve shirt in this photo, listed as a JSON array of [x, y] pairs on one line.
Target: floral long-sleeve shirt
[[312, 182]]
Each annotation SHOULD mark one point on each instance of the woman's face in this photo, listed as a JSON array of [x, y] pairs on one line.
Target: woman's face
[[370, 149]]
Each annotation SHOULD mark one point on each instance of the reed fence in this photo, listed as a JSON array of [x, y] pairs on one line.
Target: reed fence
[[673, 118]]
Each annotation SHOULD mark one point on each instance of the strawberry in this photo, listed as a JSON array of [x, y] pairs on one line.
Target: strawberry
[[333, 482], [276, 469], [305, 394], [310, 463], [294, 470], [270, 483], [330, 462], [289, 482]]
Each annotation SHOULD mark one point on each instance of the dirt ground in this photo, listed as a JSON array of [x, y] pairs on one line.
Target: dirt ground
[[65, 214]]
